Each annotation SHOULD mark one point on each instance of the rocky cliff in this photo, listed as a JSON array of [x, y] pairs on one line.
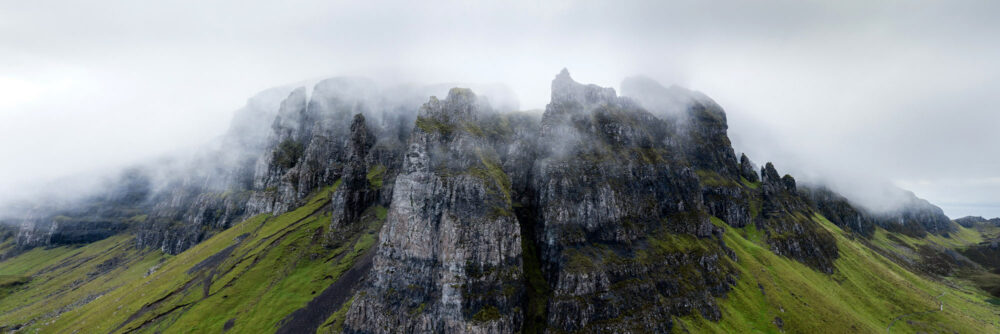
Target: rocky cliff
[[971, 221], [916, 217], [312, 140], [449, 254], [599, 217]]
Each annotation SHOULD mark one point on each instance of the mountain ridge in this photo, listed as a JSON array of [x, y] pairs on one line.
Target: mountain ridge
[[604, 213]]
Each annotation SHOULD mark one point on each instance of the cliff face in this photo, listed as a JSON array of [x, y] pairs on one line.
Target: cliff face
[[971, 221], [791, 228], [838, 210], [96, 217], [621, 226], [599, 217], [312, 141], [449, 253], [916, 217]]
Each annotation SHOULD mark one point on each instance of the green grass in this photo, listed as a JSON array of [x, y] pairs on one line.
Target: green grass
[[908, 247], [862, 296], [664, 241], [375, 175], [433, 125], [488, 313], [66, 276], [748, 184], [266, 268], [713, 179], [491, 174]]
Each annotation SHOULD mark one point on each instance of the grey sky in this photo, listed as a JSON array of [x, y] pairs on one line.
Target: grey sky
[[850, 92]]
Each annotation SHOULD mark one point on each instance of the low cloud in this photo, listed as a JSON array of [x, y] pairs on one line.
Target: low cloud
[[844, 92]]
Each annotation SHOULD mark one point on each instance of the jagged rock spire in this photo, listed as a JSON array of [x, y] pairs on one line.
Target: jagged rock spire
[[768, 174], [354, 195], [746, 169]]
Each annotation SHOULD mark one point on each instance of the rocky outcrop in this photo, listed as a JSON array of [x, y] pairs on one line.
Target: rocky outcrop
[[789, 223], [355, 193], [839, 210], [972, 221], [343, 131], [697, 127], [185, 216], [615, 205], [747, 169], [587, 213], [914, 217], [64, 231], [448, 257], [85, 220]]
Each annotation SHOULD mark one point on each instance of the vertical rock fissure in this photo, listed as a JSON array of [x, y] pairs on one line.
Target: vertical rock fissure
[[537, 288]]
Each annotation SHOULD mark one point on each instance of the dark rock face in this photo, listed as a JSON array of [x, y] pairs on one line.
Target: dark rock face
[[354, 194], [747, 170], [787, 220], [614, 202], [449, 253], [838, 210], [185, 216], [915, 218], [609, 204], [699, 122], [971, 221], [342, 131], [697, 128], [34, 233], [986, 254], [88, 220]]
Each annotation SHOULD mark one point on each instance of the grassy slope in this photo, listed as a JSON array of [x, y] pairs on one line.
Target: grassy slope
[[62, 277], [865, 293], [250, 276], [961, 238]]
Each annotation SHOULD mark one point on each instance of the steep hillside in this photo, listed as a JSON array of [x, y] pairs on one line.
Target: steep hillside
[[865, 294], [251, 276]]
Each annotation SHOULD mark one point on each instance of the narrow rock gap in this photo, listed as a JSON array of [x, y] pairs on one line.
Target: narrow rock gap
[[537, 288]]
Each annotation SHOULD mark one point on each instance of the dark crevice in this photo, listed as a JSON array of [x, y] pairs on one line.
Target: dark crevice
[[537, 289]]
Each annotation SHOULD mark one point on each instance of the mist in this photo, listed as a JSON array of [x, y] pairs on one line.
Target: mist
[[850, 94]]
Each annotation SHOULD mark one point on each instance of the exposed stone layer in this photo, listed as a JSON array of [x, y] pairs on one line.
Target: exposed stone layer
[[449, 254]]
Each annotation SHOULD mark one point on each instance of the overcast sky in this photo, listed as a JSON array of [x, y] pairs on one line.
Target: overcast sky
[[850, 92]]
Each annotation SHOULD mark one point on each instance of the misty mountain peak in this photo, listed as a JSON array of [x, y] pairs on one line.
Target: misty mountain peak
[[290, 113], [566, 90], [563, 74], [461, 95], [461, 104]]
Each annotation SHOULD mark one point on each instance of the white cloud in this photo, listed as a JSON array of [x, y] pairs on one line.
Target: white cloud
[[898, 90]]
